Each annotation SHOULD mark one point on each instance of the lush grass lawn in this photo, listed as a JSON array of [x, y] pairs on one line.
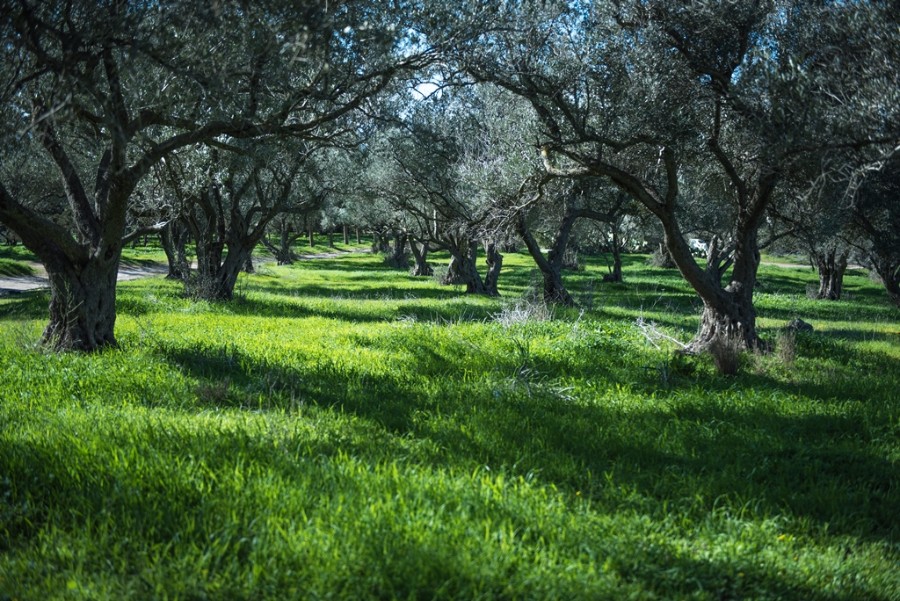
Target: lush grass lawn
[[344, 431]]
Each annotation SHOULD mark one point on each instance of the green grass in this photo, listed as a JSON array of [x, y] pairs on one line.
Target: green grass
[[13, 268], [342, 430]]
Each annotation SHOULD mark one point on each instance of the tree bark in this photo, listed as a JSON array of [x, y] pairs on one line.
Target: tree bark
[[494, 263], [463, 269], [728, 313], [174, 238], [889, 272], [283, 251], [420, 253], [82, 304], [397, 256], [663, 258], [831, 266], [718, 259], [554, 291]]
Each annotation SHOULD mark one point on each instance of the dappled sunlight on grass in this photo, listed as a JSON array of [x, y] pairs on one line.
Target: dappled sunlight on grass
[[344, 429]]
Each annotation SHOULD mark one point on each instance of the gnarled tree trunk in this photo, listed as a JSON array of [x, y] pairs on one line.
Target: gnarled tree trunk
[[420, 254], [174, 237], [554, 291], [463, 267], [831, 266], [82, 304], [494, 263], [728, 313]]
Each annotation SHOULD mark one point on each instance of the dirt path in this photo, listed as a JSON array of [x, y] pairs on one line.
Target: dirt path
[[16, 285], [127, 271]]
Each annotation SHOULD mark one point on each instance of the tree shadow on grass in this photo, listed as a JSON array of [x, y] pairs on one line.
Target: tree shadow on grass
[[362, 291], [31, 304], [675, 452]]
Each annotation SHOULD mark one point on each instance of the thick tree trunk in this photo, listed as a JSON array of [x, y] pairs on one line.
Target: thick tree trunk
[[420, 253], [554, 291], [283, 251], [729, 316], [215, 280], [248, 265], [173, 238], [494, 263], [889, 272], [831, 266], [82, 304], [463, 269], [469, 270], [380, 243], [731, 320], [398, 257]]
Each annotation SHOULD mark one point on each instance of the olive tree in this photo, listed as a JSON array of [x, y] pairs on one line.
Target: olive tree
[[141, 81], [648, 94]]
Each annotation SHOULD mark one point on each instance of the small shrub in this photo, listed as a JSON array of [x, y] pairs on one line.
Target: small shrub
[[524, 310]]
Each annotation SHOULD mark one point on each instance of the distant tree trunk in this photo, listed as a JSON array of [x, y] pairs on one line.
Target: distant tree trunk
[[397, 256], [831, 266], [463, 268], [311, 232], [346, 231], [358, 237], [420, 254], [283, 251], [469, 269], [223, 246], [331, 238], [173, 239], [554, 291], [380, 243], [494, 263], [216, 274], [615, 274]]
